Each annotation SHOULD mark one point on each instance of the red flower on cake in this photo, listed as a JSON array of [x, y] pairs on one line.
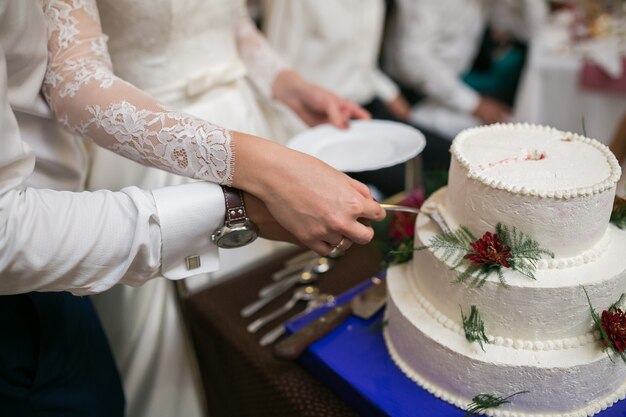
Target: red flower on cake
[[614, 324], [489, 250]]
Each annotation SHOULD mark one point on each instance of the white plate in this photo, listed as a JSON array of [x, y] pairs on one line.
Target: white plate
[[366, 145]]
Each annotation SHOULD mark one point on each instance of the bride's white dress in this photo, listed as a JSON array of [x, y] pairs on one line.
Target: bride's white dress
[[200, 57]]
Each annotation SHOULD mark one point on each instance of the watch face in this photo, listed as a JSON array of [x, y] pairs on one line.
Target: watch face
[[237, 238], [234, 237]]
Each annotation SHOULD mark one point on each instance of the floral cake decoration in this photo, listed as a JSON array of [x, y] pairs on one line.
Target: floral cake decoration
[[611, 324]]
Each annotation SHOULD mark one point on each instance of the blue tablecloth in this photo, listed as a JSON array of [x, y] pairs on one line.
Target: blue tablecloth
[[354, 363]]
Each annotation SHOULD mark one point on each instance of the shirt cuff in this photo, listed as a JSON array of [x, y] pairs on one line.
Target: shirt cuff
[[465, 100], [188, 215]]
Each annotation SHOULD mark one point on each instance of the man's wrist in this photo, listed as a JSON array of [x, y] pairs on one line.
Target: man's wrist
[[238, 230], [187, 215]]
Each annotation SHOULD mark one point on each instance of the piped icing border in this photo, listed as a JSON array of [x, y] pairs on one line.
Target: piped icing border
[[606, 184], [588, 256], [590, 410], [508, 342]]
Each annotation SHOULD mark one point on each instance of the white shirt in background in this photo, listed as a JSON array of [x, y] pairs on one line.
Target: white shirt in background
[[432, 43], [334, 43]]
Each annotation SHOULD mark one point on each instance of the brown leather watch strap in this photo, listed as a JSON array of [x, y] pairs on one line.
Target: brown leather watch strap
[[235, 207]]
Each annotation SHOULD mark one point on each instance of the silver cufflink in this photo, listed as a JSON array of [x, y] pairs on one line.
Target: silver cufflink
[[193, 262]]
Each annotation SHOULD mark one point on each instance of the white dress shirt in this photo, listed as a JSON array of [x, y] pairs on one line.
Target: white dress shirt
[[334, 43], [432, 43], [83, 242]]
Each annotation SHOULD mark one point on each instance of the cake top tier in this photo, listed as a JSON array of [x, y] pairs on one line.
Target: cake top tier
[[536, 160]]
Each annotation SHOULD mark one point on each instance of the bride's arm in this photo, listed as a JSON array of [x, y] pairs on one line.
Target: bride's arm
[[262, 62], [274, 79], [90, 100], [313, 201]]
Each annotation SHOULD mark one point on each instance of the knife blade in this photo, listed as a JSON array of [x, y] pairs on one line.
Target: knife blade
[[363, 305]]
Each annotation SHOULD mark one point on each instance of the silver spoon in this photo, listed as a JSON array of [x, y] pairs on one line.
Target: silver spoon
[[303, 277], [320, 264], [303, 258], [314, 267], [319, 301], [305, 293]]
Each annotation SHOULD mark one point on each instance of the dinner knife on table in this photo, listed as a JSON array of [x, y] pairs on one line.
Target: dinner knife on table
[[364, 305]]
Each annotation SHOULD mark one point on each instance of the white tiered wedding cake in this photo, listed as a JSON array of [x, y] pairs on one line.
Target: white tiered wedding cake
[[539, 338]]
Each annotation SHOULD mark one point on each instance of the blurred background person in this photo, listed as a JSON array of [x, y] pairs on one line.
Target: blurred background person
[[337, 44], [432, 48]]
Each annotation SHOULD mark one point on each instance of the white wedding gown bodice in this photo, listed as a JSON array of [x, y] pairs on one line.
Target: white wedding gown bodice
[[150, 42], [200, 57], [207, 59]]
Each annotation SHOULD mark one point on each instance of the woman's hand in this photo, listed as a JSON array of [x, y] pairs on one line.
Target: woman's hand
[[490, 111], [399, 108], [316, 203], [312, 103]]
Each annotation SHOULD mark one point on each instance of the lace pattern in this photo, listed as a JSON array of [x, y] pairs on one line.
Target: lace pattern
[[87, 98], [263, 63]]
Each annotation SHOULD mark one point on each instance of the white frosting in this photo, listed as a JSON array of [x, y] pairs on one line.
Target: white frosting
[[575, 382], [563, 200], [590, 255], [558, 189], [551, 307], [516, 343]]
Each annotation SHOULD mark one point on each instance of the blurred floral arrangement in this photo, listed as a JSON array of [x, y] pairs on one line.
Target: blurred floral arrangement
[[591, 18], [397, 238]]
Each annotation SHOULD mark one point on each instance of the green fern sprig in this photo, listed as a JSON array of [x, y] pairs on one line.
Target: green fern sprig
[[452, 245], [525, 251], [475, 276], [455, 247], [483, 402], [474, 327], [401, 254], [618, 304]]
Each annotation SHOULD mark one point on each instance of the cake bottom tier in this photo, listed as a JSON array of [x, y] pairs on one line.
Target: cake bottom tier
[[576, 382]]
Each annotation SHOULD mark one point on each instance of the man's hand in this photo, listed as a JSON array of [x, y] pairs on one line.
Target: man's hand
[[269, 228], [313, 104], [491, 111]]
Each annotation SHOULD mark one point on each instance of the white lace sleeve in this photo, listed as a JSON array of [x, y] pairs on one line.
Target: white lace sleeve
[[263, 63], [89, 99]]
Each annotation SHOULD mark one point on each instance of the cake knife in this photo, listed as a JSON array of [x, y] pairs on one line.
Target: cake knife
[[432, 214], [363, 305]]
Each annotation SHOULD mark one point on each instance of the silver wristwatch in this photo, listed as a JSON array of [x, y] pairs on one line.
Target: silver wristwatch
[[238, 230]]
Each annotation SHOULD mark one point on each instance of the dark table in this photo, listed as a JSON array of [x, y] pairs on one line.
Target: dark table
[[240, 378]]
